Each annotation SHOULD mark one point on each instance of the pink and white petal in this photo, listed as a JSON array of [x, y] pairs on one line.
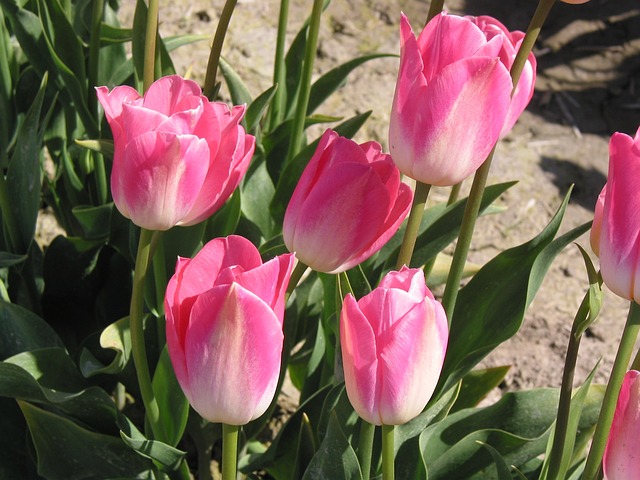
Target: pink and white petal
[[460, 120], [359, 353], [137, 120], [410, 74], [113, 101], [159, 177], [336, 221], [233, 349], [619, 247], [165, 93]]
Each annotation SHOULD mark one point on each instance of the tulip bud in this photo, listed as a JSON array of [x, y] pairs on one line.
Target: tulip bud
[[451, 101], [393, 346], [617, 224], [225, 312], [348, 203], [574, 2], [621, 460], [178, 156]]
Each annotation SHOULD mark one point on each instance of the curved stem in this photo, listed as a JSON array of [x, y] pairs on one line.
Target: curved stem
[[305, 80], [216, 48], [620, 365], [136, 320], [298, 271], [387, 452], [365, 446], [413, 224], [229, 451], [151, 33]]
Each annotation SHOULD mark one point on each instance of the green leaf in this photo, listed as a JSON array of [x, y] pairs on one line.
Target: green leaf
[[257, 192], [95, 221], [502, 469], [307, 447], [101, 146], [51, 367], [67, 451], [477, 384], [336, 78], [168, 456], [116, 337], [8, 259], [335, 458], [177, 41], [239, 92], [256, 109], [173, 405], [22, 330], [24, 179], [225, 221], [584, 320], [491, 307]]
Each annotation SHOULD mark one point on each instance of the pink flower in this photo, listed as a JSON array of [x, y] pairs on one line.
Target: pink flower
[[511, 42], [451, 102], [225, 312], [178, 157], [575, 2], [348, 203], [596, 227], [616, 231], [621, 456], [393, 346]]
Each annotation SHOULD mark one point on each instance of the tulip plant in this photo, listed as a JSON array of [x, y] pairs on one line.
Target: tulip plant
[[214, 251]]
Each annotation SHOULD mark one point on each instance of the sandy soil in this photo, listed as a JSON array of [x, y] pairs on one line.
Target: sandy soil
[[588, 87]]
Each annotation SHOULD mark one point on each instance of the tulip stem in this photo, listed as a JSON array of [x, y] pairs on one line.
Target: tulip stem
[[564, 404], [149, 72], [469, 218], [365, 446], [298, 271], [278, 104], [435, 8], [216, 48], [620, 365], [388, 432], [297, 129], [229, 451], [413, 224], [136, 320]]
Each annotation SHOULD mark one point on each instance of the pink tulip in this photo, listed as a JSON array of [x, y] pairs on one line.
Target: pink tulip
[[511, 42], [393, 346], [617, 223], [178, 156], [348, 203], [574, 2], [596, 227], [225, 312], [451, 102], [621, 457]]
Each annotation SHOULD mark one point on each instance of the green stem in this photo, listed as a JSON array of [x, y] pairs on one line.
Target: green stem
[[413, 224], [480, 179], [635, 365], [566, 390], [296, 275], [94, 54], [387, 452], [454, 194], [365, 447], [229, 451], [434, 9], [620, 365], [136, 320], [279, 70], [464, 238], [151, 33], [216, 48], [305, 80]]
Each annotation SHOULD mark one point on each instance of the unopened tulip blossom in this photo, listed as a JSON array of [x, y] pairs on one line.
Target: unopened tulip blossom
[[616, 229], [511, 42], [348, 203], [451, 102], [621, 457], [225, 312], [178, 156], [393, 346]]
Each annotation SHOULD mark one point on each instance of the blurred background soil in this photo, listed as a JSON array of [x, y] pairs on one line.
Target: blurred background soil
[[588, 87]]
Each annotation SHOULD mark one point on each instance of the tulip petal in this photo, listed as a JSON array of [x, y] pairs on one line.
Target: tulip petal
[[166, 94], [620, 237], [232, 377], [156, 182], [621, 457]]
